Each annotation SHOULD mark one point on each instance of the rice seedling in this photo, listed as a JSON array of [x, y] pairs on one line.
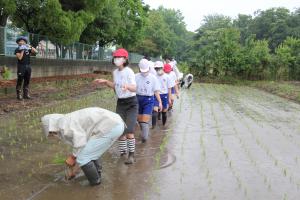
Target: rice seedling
[[285, 171], [236, 175]]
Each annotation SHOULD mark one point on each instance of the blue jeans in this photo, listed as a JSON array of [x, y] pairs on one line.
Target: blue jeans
[[95, 147]]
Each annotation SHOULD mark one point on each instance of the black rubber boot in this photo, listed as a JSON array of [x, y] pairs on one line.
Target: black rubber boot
[[26, 93], [130, 159], [19, 95], [182, 84], [159, 115], [98, 167], [164, 118], [91, 173], [154, 119]]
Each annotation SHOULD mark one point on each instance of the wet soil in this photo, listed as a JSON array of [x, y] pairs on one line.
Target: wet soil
[[45, 90], [222, 142]]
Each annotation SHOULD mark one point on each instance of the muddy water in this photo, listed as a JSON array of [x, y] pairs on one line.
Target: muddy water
[[222, 142]]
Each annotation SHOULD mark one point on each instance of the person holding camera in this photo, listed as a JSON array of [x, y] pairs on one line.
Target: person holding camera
[[23, 52]]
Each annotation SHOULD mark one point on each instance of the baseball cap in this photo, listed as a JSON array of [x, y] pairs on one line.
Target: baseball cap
[[121, 53], [167, 68], [158, 64], [144, 65]]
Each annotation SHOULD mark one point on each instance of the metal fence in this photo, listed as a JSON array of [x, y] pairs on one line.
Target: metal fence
[[51, 50]]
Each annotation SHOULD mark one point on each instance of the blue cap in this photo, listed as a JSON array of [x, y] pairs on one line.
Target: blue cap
[[22, 38]]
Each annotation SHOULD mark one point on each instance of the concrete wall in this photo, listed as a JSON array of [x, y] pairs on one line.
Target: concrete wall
[[56, 67]]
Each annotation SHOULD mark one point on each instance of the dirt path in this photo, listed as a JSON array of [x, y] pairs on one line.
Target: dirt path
[[223, 142]]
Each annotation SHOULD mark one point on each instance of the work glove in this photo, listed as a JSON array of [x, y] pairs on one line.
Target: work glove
[[71, 161], [24, 47]]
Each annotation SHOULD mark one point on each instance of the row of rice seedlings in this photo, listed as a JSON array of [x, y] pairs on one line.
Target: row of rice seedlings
[[277, 164], [203, 161], [183, 144], [241, 184], [25, 130], [266, 179], [258, 118], [284, 169]]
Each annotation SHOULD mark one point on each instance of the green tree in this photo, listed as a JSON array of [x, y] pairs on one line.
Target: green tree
[[214, 22], [287, 60], [48, 18], [7, 7], [272, 25], [106, 27], [156, 36], [178, 34], [256, 60], [243, 23], [133, 13], [294, 24], [164, 34]]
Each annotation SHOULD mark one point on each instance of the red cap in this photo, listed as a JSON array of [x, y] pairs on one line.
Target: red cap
[[121, 53], [167, 68]]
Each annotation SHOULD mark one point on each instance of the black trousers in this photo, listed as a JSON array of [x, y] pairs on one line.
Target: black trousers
[[24, 75]]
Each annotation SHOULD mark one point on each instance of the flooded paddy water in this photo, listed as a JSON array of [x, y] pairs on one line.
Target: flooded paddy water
[[222, 142]]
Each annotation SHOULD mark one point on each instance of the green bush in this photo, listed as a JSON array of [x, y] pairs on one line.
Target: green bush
[[5, 73]]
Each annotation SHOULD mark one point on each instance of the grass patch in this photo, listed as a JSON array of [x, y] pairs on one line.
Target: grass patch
[[289, 90], [286, 89], [58, 160]]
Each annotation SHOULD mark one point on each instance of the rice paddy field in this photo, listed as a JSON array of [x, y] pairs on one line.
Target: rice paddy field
[[222, 142]]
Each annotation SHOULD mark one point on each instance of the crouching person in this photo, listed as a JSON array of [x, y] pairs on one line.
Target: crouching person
[[90, 131], [187, 81]]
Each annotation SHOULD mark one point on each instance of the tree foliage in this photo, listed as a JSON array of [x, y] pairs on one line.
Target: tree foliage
[[7, 8], [265, 46], [260, 46], [119, 22], [164, 34]]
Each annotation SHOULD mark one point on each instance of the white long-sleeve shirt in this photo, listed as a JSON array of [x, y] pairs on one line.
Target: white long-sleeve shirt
[[78, 127]]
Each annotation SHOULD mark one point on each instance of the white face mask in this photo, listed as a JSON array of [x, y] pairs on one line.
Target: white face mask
[[160, 72], [119, 61]]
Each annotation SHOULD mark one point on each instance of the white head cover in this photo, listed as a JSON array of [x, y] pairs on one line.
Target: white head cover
[[144, 65], [158, 64], [50, 123]]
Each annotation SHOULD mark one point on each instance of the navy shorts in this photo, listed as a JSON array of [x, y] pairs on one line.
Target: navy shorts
[[146, 104], [164, 101]]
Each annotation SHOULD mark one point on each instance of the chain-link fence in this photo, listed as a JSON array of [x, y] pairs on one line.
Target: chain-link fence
[[51, 50]]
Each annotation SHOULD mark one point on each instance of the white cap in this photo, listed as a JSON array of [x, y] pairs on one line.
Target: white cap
[[50, 122], [158, 64], [144, 65]]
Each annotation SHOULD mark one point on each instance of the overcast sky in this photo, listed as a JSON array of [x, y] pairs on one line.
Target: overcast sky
[[194, 10]]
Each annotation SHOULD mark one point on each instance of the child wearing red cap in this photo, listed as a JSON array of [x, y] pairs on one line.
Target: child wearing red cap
[[124, 85], [175, 91]]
